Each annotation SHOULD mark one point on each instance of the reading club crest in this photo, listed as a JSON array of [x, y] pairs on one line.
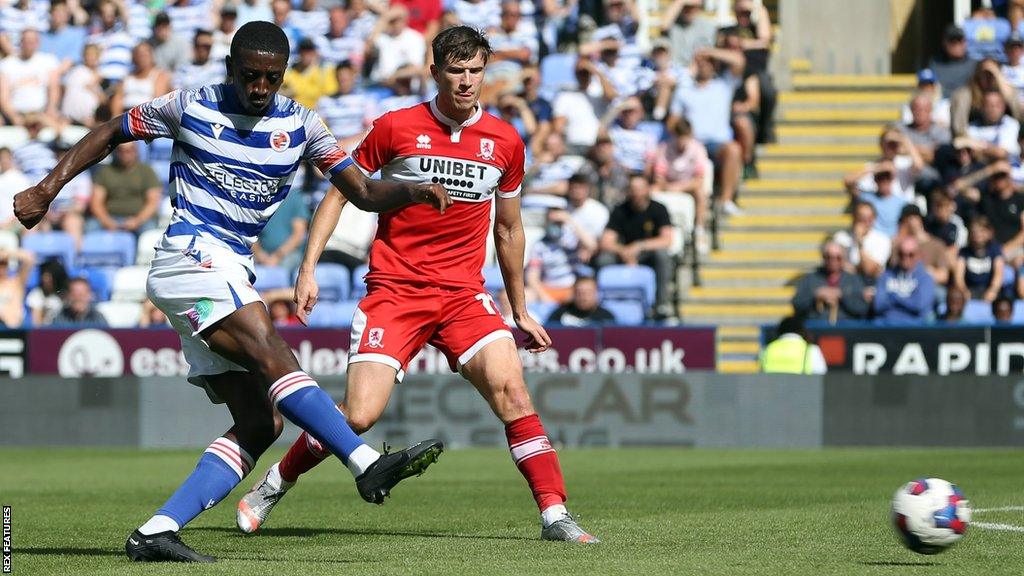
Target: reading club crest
[[279, 140], [486, 149]]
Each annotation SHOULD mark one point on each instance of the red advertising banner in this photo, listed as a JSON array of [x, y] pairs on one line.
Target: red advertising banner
[[324, 352]]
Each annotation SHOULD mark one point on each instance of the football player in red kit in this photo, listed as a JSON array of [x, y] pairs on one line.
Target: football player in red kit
[[425, 283]]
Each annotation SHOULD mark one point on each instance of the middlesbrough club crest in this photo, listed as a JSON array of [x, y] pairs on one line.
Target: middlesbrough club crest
[[375, 338], [486, 149], [280, 140]]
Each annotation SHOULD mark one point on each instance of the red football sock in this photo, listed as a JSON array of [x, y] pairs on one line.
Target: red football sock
[[302, 457], [536, 459]]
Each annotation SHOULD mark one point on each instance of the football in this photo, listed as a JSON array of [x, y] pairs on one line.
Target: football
[[930, 515]]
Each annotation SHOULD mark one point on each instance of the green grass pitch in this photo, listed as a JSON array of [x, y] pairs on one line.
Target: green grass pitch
[[659, 511]]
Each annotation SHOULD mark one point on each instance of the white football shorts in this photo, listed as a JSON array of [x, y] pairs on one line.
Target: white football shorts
[[196, 284]]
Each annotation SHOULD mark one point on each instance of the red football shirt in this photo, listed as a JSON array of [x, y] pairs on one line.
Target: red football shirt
[[474, 161]]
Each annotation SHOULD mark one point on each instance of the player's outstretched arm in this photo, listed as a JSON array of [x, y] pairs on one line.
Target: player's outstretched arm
[[380, 196], [325, 220], [510, 245], [31, 204]]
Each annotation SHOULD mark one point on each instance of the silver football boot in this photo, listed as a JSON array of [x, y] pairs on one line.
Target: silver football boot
[[567, 530], [255, 506]]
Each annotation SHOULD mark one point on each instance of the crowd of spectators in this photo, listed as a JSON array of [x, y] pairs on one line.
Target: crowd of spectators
[[937, 219], [610, 118]]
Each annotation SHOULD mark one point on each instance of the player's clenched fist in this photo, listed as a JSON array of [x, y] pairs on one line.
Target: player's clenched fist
[[30, 205], [433, 194]]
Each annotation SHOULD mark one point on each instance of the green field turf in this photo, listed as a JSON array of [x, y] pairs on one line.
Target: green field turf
[[659, 511]]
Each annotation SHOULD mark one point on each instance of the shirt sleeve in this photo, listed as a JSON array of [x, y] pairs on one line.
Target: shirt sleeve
[[375, 151], [511, 183], [322, 147], [158, 118], [661, 217]]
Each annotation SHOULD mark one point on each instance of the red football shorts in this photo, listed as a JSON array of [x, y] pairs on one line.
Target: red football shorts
[[394, 321]]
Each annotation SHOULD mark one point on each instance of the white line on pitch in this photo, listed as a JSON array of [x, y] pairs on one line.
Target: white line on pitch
[[998, 526], [1000, 509]]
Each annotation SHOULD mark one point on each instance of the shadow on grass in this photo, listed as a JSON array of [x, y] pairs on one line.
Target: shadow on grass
[[66, 551], [898, 563], [307, 532]]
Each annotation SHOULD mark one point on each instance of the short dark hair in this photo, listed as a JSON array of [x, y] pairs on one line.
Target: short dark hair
[[259, 36], [459, 43], [792, 325]]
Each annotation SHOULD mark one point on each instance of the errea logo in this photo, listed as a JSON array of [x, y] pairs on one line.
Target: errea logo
[[423, 142]]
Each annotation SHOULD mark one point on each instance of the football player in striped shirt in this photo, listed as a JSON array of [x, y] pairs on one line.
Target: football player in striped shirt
[[236, 150]]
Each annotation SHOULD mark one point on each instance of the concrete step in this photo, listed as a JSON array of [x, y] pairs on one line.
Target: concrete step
[[792, 187], [852, 82], [762, 256], [751, 222], [776, 276], [745, 348], [828, 133], [740, 294], [694, 313], [863, 152], [824, 99], [799, 205], [739, 332], [732, 240], [870, 116], [800, 66], [738, 367], [807, 169]]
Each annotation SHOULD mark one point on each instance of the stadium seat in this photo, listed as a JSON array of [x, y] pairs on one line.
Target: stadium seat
[[1009, 275], [101, 279], [557, 72], [158, 156], [8, 240], [541, 311], [106, 248], [532, 234], [622, 282], [120, 314], [492, 279], [45, 245], [334, 282], [682, 210], [358, 284], [333, 314], [1018, 312], [978, 312], [271, 277], [626, 312], [147, 246], [129, 284]]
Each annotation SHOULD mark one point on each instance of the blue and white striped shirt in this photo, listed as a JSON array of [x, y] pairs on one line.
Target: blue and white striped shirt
[[230, 171], [191, 75], [347, 114], [310, 24], [116, 55]]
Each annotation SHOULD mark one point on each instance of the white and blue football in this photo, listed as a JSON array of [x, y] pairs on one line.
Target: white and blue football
[[930, 515]]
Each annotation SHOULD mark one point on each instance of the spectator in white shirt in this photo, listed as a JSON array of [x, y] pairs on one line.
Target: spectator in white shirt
[[552, 168], [29, 82], [681, 165], [393, 45], [867, 249], [12, 181], [224, 33], [577, 112], [586, 217], [995, 129], [83, 90], [906, 161], [514, 45], [1013, 69]]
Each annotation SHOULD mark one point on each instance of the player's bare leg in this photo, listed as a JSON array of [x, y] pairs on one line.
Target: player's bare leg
[[366, 395], [223, 465], [496, 372]]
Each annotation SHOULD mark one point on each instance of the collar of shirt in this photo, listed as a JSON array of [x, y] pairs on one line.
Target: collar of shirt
[[455, 126]]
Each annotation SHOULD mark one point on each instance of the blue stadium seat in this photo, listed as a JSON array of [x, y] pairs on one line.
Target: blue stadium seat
[[1018, 312], [626, 312], [557, 72], [622, 282], [1009, 275], [106, 248], [358, 284], [45, 245], [978, 312], [541, 311], [492, 279], [101, 279], [334, 282], [333, 314], [271, 277], [158, 155]]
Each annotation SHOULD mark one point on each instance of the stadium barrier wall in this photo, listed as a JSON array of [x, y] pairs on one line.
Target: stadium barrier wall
[[699, 409], [866, 349], [324, 352]]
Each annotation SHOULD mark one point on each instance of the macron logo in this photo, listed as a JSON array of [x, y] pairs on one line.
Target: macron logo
[[217, 129], [423, 142]]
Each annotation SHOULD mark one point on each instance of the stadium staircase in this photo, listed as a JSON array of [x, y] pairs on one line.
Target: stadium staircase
[[827, 126]]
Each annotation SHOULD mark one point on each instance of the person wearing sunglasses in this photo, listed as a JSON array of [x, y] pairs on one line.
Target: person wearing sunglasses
[[905, 293]]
